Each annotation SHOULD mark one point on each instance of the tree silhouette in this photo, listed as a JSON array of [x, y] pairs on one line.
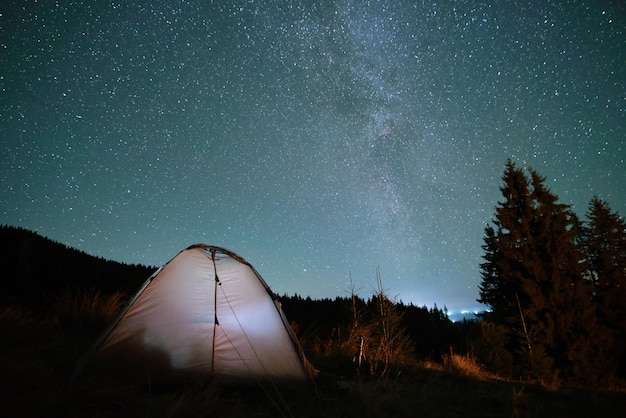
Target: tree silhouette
[[605, 243]]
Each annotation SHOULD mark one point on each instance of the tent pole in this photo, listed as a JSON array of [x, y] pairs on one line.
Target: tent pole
[[216, 322]]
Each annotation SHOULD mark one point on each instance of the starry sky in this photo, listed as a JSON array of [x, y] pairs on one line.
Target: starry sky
[[318, 140]]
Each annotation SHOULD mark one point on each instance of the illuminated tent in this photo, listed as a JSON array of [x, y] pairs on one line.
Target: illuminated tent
[[206, 314]]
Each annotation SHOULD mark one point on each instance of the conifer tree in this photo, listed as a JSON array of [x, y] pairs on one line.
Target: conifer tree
[[506, 248], [579, 343], [502, 270], [606, 251], [605, 242]]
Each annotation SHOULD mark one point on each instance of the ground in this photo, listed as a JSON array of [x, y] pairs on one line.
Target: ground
[[37, 358]]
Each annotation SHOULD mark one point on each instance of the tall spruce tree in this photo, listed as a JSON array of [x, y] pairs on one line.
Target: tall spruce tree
[[504, 267], [532, 274], [569, 315], [606, 252], [605, 242], [502, 271]]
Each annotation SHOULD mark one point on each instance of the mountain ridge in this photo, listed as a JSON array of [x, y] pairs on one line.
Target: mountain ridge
[[35, 268]]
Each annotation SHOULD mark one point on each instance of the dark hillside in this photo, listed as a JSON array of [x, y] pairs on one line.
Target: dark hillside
[[34, 268]]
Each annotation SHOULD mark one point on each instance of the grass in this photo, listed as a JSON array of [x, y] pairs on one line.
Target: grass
[[37, 358]]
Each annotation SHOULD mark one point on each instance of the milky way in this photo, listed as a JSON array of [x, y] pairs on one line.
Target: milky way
[[318, 140]]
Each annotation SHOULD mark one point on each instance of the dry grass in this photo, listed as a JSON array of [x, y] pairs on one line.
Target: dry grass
[[458, 365], [465, 366]]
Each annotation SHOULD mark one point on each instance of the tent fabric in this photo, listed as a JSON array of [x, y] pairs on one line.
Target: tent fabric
[[206, 314]]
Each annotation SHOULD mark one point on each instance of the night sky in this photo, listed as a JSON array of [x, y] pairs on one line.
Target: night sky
[[315, 139]]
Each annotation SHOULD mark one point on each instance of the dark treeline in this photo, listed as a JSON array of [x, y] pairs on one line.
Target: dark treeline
[[35, 269], [429, 331], [555, 285]]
